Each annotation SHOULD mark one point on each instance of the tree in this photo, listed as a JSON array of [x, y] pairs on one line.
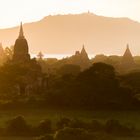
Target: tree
[[69, 69], [9, 53], [18, 126], [20, 75]]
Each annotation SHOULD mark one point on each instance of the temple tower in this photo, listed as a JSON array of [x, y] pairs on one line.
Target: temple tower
[[127, 59], [84, 54], [21, 51]]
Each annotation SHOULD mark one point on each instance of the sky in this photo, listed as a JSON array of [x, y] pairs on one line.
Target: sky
[[12, 12]]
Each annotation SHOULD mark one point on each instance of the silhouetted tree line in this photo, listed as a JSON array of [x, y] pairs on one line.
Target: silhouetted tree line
[[98, 87]]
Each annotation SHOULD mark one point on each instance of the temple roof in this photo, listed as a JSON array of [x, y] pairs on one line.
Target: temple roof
[[21, 51], [127, 52], [83, 50], [127, 58]]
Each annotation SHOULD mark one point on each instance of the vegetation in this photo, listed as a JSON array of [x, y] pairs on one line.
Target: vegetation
[[98, 87], [67, 86], [73, 130]]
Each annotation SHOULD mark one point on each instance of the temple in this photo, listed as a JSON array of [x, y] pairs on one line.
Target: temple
[[80, 58], [127, 59], [29, 83], [21, 51]]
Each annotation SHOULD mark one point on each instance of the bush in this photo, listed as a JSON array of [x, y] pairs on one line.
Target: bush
[[17, 126], [102, 136], [69, 69], [114, 127], [63, 122], [73, 134], [76, 123], [96, 126], [46, 137], [44, 127]]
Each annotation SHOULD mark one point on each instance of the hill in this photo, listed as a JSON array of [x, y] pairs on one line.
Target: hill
[[64, 34]]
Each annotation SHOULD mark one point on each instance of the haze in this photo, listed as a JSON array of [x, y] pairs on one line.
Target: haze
[[65, 34], [14, 11]]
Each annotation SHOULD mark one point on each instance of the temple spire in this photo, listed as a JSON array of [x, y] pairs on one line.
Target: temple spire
[[83, 49], [128, 52], [127, 47], [21, 49], [127, 59], [84, 53], [21, 34]]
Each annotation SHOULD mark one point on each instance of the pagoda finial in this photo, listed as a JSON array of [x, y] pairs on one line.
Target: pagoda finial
[[83, 49], [83, 46], [127, 46], [21, 34]]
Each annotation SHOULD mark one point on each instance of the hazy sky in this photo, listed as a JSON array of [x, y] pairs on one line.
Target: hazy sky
[[14, 11]]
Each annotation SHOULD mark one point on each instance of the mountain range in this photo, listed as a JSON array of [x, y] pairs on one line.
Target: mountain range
[[65, 34]]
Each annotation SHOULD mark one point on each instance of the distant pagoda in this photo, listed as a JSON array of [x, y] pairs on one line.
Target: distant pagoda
[[127, 59], [84, 54], [80, 58], [21, 51]]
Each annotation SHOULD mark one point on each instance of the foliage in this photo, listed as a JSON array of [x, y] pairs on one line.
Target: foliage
[[97, 87], [74, 129], [63, 122], [17, 126], [69, 69], [44, 127], [114, 127], [14, 76], [73, 134], [46, 137], [132, 81]]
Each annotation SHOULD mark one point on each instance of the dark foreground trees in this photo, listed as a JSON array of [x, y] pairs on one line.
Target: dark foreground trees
[[95, 88], [98, 87], [15, 78]]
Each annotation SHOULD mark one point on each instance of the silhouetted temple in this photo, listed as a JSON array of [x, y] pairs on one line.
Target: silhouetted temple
[[21, 53], [127, 59], [31, 82], [84, 54], [81, 59]]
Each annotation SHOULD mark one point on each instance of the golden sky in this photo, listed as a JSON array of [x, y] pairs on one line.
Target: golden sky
[[14, 11]]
